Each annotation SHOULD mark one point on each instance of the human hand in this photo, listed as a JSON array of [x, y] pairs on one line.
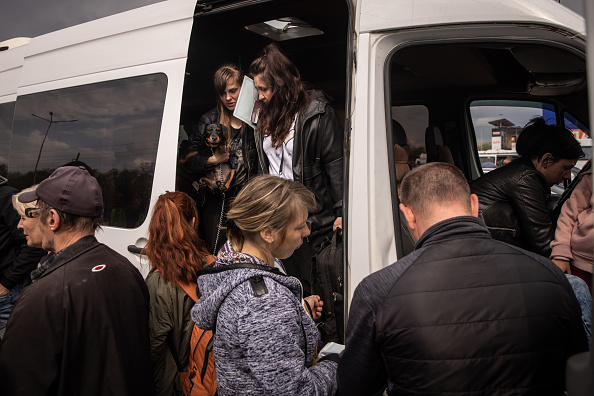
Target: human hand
[[337, 224], [563, 264], [4, 290], [217, 158], [315, 303]]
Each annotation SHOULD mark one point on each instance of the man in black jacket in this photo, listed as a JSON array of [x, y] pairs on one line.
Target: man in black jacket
[[463, 314], [82, 327], [17, 260]]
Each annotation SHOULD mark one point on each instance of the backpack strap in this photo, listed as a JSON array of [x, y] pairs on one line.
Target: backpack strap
[[206, 355]]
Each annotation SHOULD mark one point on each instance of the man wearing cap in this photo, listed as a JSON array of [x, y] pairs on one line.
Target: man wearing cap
[[82, 327]]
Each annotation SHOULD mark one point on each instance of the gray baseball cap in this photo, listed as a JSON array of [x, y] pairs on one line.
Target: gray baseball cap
[[70, 189]]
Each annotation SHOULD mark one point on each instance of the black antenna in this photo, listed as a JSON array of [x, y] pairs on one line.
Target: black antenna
[[51, 121]]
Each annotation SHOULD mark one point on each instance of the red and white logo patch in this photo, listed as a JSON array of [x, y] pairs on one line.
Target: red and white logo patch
[[98, 268]]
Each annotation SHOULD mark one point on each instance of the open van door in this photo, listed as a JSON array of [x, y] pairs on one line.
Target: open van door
[[105, 95], [580, 368]]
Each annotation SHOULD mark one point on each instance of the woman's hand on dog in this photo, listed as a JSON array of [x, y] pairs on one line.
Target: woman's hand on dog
[[217, 158]]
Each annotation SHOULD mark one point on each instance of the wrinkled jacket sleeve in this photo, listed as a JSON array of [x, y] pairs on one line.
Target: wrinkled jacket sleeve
[[577, 203], [332, 152], [361, 370], [529, 203], [160, 324], [274, 356]]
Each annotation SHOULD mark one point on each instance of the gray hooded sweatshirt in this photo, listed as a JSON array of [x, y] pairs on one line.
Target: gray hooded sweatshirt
[[264, 339]]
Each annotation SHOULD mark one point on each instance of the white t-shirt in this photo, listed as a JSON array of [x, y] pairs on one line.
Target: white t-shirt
[[280, 160]]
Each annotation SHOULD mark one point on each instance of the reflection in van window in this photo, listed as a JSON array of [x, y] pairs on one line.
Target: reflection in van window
[[6, 114], [112, 128], [414, 120]]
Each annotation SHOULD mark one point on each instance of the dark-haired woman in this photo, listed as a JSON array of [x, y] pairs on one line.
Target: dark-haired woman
[[299, 137], [513, 199], [175, 253]]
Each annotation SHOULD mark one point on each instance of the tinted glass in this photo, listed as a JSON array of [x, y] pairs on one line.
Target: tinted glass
[[498, 123], [582, 134], [6, 115], [112, 128], [414, 119]]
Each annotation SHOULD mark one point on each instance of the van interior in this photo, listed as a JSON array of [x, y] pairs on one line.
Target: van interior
[[452, 99], [220, 36]]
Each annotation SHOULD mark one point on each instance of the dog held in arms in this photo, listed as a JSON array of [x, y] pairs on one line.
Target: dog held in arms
[[205, 142]]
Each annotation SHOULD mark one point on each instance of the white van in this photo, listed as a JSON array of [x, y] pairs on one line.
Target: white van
[[115, 93]]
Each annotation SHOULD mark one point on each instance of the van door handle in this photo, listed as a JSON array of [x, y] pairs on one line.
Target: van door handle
[[134, 249]]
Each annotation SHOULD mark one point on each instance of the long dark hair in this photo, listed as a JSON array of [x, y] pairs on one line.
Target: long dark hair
[[289, 96], [174, 247], [538, 138]]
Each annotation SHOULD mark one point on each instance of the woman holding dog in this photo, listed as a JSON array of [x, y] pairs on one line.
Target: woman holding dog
[[239, 152], [265, 341], [300, 138]]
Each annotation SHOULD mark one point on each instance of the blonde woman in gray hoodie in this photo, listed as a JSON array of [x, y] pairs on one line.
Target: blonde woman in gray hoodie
[[265, 340]]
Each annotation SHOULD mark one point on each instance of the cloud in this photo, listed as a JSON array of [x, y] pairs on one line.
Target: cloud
[[31, 18]]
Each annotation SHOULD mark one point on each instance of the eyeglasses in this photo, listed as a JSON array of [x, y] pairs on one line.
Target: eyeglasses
[[32, 213]]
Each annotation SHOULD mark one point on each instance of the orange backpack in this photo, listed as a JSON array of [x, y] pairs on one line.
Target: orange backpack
[[200, 378]]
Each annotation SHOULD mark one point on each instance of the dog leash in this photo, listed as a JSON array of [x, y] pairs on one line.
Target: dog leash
[[214, 253]]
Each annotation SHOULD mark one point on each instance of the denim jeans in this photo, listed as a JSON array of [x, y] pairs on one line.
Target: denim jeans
[[6, 304], [582, 292]]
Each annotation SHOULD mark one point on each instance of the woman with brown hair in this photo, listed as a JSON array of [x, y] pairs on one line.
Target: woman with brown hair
[[175, 252], [240, 154], [299, 137]]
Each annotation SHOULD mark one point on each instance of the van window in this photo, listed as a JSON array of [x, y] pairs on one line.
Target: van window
[[6, 115], [498, 123], [582, 134], [414, 120], [112, 128]]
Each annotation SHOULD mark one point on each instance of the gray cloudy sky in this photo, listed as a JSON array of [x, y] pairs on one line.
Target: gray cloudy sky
[[31, 18]]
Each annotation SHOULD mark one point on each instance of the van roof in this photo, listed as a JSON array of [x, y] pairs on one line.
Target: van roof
[[384, 15], [13, 43]]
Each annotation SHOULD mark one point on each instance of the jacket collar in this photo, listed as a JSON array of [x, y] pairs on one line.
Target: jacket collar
[[69, 253], [453, 228]]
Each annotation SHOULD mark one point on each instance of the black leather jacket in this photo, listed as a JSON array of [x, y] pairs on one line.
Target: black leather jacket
[[513, 204], [317, 160]]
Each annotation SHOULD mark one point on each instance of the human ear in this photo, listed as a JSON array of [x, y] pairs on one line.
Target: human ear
[[474, 205], [411, 220], [547, 160], [53, 220], [267, 235]]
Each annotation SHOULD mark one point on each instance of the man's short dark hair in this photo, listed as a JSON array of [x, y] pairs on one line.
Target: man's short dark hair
[[434, 184], [70, 221]]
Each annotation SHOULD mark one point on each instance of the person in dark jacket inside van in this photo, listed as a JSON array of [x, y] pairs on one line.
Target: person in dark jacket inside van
[[299, 137], [82, 327], [513, 198], [463, 314], [240, 154]]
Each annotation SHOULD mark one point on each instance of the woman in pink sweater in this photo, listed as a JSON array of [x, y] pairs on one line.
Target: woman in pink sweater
[[573, 246]]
